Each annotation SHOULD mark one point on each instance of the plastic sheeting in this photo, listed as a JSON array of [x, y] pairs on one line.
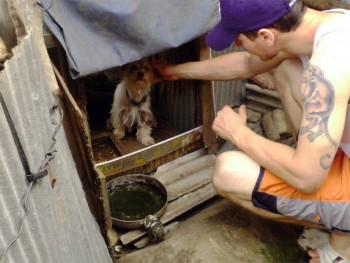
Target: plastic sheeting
[[99, 35]]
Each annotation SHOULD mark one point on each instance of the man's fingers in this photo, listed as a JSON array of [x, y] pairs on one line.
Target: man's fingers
[[242, 111]]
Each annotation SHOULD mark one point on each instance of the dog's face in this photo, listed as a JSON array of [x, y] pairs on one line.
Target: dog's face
[[139, 77]]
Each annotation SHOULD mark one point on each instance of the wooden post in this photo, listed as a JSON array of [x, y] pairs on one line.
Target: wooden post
[[206, 96]]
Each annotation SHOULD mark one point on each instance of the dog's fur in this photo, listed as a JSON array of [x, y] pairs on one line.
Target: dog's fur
[[132, 102]]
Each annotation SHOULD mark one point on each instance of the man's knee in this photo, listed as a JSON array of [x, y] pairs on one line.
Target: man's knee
[[223, 171], [235, 173]]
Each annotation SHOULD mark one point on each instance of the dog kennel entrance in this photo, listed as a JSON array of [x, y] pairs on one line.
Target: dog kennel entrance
[[184, 113], [181, 109]]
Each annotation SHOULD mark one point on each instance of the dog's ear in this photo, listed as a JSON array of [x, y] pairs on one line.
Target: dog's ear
[[152, 71]]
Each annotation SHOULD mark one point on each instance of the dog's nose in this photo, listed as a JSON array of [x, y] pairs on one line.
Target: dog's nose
[[140, 74]]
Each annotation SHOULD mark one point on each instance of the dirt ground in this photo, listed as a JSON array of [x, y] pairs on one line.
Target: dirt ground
[[219, 231]]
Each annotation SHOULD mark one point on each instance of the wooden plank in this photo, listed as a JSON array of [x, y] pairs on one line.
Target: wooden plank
[[207, 103], [175, 209], [130, 143], [111, 234], [77, 120], [190, 183], [170, 166], [185, 170], [50, 40]]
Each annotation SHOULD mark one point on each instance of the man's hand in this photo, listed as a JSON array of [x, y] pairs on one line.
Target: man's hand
[[228, 121], [163, 71]]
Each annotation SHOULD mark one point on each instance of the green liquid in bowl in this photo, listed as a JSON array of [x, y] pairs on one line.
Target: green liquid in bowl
[[135, 201]]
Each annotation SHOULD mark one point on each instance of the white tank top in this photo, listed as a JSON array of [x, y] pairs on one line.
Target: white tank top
[[343, 25]]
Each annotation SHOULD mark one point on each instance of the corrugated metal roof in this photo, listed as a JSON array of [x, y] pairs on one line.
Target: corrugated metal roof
[[59, 226], [228, 92], [177, 101]]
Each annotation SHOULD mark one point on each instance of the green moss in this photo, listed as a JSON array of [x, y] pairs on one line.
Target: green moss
[[282, 248], [280, 254]]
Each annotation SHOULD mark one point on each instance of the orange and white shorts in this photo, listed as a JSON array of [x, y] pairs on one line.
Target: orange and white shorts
[[329, 206]]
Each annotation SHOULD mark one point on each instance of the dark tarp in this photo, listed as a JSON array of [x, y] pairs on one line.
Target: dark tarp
[[101, 34]]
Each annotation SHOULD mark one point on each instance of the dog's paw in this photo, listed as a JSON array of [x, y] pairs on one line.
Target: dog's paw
[[147, 141], [120, 134]]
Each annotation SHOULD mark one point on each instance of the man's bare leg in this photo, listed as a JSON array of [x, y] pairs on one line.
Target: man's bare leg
[[234, 178]]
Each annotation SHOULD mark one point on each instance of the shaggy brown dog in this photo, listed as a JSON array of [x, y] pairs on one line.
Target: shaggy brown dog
[[132, 102]]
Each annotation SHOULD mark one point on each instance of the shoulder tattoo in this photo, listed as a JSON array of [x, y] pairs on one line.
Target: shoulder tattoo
[[318, 103]]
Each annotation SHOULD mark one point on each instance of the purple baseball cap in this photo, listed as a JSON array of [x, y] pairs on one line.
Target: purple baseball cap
[[239, 16]]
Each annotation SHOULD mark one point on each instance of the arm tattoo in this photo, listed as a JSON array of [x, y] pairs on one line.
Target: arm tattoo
[[318, 103], [324, 161]]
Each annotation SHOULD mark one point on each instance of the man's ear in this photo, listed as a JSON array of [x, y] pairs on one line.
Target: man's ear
[[267, 36]]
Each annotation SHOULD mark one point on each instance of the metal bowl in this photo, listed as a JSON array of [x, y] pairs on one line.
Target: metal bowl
[[136, 179]]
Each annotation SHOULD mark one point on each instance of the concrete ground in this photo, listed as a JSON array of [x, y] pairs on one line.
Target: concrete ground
[[219, 231]]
